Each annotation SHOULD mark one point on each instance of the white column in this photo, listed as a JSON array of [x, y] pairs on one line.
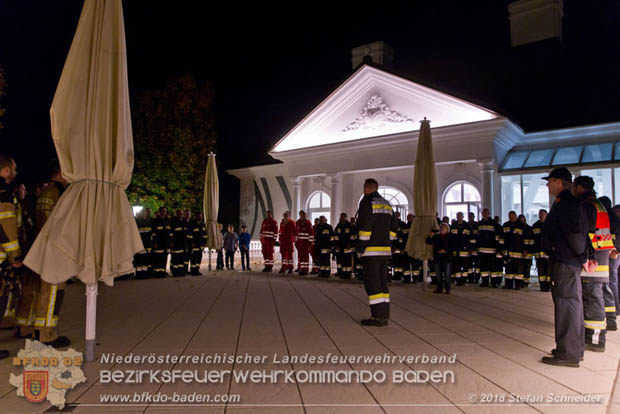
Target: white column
[[296, 196], [336, 198], [487, 170]]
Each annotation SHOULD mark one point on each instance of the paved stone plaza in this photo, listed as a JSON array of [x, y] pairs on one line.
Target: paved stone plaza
[[498, 337]]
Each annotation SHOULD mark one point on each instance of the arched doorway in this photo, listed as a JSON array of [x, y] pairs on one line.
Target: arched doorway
[[461, 197], [318, 204]]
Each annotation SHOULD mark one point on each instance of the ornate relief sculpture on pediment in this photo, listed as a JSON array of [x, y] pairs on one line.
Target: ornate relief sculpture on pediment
[[376, 115]]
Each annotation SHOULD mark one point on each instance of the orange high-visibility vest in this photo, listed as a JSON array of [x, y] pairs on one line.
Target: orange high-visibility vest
[[603, 244]]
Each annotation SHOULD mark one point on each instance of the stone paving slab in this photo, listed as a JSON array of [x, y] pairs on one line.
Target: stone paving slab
[[498, 337]]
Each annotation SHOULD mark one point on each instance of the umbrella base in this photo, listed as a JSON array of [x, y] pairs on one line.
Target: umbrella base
[[89, 350]]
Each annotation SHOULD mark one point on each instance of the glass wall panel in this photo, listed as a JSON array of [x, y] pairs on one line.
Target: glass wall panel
[[453, 195], [515, 159], [452, 209], [597, 152], [511, 195], [535, 196], [470, 193], [539, 158], [567, 155]]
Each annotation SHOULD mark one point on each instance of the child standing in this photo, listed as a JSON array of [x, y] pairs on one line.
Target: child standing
[[244, 248], [442, 255]]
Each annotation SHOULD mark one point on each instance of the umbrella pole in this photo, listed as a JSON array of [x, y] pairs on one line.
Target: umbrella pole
[[425, 276], [209, 260], [91, 321]]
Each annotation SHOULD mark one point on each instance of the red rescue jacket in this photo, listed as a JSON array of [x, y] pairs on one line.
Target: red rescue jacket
[[304, 232], [268, 231], [288, 232]]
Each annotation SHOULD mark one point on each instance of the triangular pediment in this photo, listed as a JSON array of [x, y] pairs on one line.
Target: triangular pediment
[[374, 103]]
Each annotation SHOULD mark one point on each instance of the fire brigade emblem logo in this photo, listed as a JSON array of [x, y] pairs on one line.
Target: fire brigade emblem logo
[[47, 373], [35, 385]]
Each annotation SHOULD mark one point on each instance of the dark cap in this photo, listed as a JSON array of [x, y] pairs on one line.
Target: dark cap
[[562, 173], [584, 181]]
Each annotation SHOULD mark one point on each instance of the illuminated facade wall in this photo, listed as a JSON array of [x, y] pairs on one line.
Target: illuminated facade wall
[[368, 127]]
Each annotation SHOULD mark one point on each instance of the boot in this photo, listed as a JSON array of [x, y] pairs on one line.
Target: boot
[[59, 342], [374, 322]]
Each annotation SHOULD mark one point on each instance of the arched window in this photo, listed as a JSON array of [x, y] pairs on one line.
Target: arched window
[[397, 199], [461, 197], [319, 204]]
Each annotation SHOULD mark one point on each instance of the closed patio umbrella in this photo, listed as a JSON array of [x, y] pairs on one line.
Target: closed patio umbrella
[[91, 232], [211, 206], [424, 198]]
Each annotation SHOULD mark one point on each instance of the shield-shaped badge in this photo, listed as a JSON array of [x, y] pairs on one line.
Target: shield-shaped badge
[[35, 385]]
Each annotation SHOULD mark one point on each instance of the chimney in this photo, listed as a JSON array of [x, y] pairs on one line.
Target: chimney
[[535, 20], [376, 52]]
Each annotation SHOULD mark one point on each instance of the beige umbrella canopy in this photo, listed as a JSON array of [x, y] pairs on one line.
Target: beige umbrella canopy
[[424, 196], [211, 205], [91, 232]]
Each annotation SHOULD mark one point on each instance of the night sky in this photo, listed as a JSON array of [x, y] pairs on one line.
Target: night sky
[[270, 65]]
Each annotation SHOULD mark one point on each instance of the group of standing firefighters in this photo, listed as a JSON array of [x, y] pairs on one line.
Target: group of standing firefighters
[[183, 236], [478, 252], [481, 251]]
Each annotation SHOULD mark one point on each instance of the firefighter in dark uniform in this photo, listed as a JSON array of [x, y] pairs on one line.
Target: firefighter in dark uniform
[[177, 250], [542, 260], [411, 269], [323, 245], [473, 275], [460, 238], [357, 264], [377, 228], [50, 296], [528, 241], [194, 244], [344, 247], [487, 245], [10, 250], [564, 239], [142, 260], [595, 279], [162, 233], [513, 247], [203, 233], [313, 254], [397, 251], [24, 310]]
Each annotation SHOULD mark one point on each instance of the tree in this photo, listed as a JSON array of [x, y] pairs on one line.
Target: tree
[[2, 86], [173, 130]]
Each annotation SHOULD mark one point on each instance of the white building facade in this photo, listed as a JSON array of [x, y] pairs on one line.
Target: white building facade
[[368, 127]]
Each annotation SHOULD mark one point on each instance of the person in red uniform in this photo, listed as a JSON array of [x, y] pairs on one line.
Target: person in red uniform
[[302, 243], [268, 232], [286, 236]]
